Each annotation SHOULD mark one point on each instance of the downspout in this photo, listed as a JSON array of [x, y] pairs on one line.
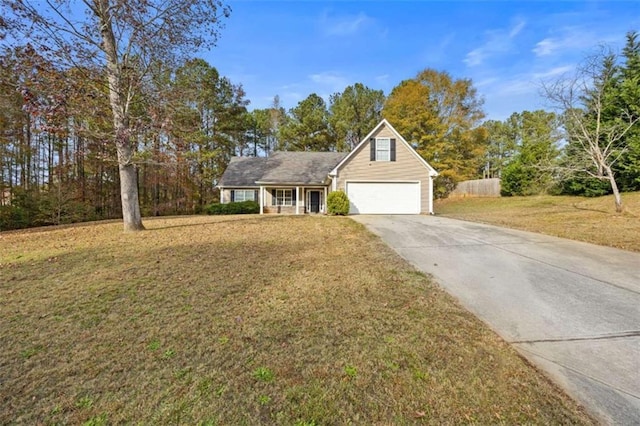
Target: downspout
[[334, 180]]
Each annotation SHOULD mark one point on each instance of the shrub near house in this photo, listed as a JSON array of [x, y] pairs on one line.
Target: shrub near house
[[338, 203], [242, 207]]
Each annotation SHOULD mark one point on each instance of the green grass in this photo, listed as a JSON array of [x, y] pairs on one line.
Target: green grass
[[585, 219], [246, 320]]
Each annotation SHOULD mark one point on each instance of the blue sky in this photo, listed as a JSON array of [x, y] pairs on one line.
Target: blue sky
[[295, 48]]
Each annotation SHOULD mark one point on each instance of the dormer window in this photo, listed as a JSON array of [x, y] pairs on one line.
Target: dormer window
[[383, 149]]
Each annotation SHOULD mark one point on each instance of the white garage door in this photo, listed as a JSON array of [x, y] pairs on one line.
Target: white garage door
[[384, 197]]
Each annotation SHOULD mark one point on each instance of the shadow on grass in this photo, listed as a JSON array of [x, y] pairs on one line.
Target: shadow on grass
[[213, 220], [172, 329], [150, 220], [587, 209], [47, 228], [94, 315], [230, 219]]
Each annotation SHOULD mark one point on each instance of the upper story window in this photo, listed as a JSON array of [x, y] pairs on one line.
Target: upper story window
[[383, 149]]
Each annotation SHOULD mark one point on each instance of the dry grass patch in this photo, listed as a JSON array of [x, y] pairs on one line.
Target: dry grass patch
[[585, 219], [246, 320]]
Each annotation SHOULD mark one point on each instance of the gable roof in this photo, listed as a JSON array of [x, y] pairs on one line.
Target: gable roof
[[299, 168], [282, 167], [384, 122]]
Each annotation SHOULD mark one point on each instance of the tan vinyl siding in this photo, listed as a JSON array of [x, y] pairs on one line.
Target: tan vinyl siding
[[226, 193], [406, 167], [225, 196], [302, 199], [384, 132], [268, 208], [267, 198]]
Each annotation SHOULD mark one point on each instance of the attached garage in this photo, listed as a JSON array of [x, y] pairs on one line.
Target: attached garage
[[391, 197], [383, 174]]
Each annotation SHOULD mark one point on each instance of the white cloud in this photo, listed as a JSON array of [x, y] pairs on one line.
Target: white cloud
[[382, 79], [475, 57], [497, 42], [517, 86], [519, 26], [486, 82], [522, 85], [545, 47], [344, 25], [291, 98], [323, 84], [333, 81], [290, 87], [437, 50], [553, 72], [569, 38]]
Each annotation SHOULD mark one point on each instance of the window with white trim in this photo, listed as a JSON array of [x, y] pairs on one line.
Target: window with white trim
[[383, 149], [244, 195], [283, 197]]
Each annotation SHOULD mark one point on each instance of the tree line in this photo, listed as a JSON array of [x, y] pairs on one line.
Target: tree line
[[58, 163], [590, 146], [57, 160], [115, 118]]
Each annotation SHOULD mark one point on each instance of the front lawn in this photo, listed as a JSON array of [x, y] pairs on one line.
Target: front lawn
[[593, 220], [246, 320]]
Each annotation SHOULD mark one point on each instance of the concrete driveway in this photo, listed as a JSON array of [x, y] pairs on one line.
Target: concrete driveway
[[571, 308]]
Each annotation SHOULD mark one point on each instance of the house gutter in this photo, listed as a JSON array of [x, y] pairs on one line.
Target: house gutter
[[333, 175], [263, 183]]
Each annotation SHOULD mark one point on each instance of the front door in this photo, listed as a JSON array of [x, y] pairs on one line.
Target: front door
[[314, 204]]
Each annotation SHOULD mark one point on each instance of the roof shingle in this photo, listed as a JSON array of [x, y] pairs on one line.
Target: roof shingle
[[243, 171], [282, 167]]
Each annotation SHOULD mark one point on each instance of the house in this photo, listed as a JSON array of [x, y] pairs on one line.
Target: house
[[285, 182], [383, 174]]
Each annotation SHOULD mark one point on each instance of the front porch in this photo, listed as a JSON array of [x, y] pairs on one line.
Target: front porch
[[292, 199]]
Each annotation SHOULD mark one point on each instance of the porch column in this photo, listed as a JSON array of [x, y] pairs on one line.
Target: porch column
[[430, 194], [298, 200], [261, 198], [221, 195], [324, 201]]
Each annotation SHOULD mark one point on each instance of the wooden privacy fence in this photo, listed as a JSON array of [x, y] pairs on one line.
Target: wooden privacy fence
[[477, 188]]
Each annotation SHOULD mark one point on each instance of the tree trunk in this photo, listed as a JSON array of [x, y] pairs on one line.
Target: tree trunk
[[129, 190], [614, 188], [119, 101], [616, 196]]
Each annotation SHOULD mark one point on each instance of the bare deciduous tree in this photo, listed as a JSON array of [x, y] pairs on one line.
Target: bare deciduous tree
[[586, 101], [125, 38]]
